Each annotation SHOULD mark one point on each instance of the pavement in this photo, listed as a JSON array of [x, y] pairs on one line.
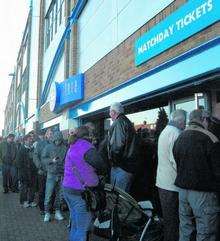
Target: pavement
[[26, 224]]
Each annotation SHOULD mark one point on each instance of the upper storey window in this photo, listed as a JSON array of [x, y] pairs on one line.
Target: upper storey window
[[53, 19]]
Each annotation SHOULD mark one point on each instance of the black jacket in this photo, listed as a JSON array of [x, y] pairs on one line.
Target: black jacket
[[25, 164], [122, 144], [197, 160], [8, 152], [215, 157], [93, 158]]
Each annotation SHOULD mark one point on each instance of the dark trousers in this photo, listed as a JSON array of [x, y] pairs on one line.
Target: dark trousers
[[27, 192], [14, 176], [218, 235], [7, 174], [41, 191], [170, 205]]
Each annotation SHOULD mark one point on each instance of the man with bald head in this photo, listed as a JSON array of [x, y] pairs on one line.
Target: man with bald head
[[196, 167]]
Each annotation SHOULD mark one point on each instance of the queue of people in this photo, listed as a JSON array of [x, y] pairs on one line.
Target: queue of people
[[188, 177], [8, 151], [47, 170]]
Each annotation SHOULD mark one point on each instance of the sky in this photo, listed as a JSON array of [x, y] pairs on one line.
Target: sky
[[13, 16]]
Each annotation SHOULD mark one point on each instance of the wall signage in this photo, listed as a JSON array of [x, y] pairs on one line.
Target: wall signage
[[65, 93], [189, 19]]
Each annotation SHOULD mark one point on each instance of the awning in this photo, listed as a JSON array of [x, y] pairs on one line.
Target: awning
[[184, 69]]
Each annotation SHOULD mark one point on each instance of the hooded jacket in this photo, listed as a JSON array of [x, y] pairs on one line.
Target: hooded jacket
[[25, 164]]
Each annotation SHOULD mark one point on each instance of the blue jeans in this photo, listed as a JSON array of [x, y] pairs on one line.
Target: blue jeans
[[81, 219], [198, 211], [52, 185], [121, 178]]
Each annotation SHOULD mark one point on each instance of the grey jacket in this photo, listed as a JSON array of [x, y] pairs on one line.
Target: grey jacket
[[38, 158], [55, 150]]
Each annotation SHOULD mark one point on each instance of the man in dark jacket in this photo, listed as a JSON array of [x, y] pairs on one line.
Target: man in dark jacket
[[8, 153], [122, 148], [196, 167], [214, 127], [27, 173]]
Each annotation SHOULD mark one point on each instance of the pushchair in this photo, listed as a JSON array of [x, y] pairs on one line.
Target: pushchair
[[126, 219]]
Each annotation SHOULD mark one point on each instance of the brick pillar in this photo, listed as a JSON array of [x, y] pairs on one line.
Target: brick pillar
[[36, 126], [66, 44], [72, 4], [40, 53], [73, 55], [72, 44]]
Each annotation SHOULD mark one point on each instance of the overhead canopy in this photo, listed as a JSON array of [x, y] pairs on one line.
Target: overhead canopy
[[184, 69]]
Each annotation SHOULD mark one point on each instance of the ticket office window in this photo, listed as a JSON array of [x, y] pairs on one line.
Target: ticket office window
[[187, 104], [141, 119], [196, 101]]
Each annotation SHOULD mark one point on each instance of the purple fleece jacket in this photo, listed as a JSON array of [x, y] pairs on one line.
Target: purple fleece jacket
[[83, 172]]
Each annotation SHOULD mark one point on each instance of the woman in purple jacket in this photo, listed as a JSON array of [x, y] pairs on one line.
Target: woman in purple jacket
[[82, 166]]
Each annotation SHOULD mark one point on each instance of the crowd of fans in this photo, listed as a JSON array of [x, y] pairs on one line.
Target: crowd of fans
[[179, 173]]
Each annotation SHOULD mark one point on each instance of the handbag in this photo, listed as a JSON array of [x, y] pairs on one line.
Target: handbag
[[95, 197]]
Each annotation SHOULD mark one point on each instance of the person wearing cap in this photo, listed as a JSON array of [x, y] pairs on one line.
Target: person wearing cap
[[8, 153], [194, 153], [122, 148]]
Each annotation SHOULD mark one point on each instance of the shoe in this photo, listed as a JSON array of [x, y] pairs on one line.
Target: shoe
[[69, 224], [26, 204], [5, 191], [33, 205], [58, 216], [15, 190], [47, 217], [42, 212]]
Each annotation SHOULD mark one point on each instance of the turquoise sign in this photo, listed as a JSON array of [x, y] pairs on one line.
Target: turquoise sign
[[189, 19]]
